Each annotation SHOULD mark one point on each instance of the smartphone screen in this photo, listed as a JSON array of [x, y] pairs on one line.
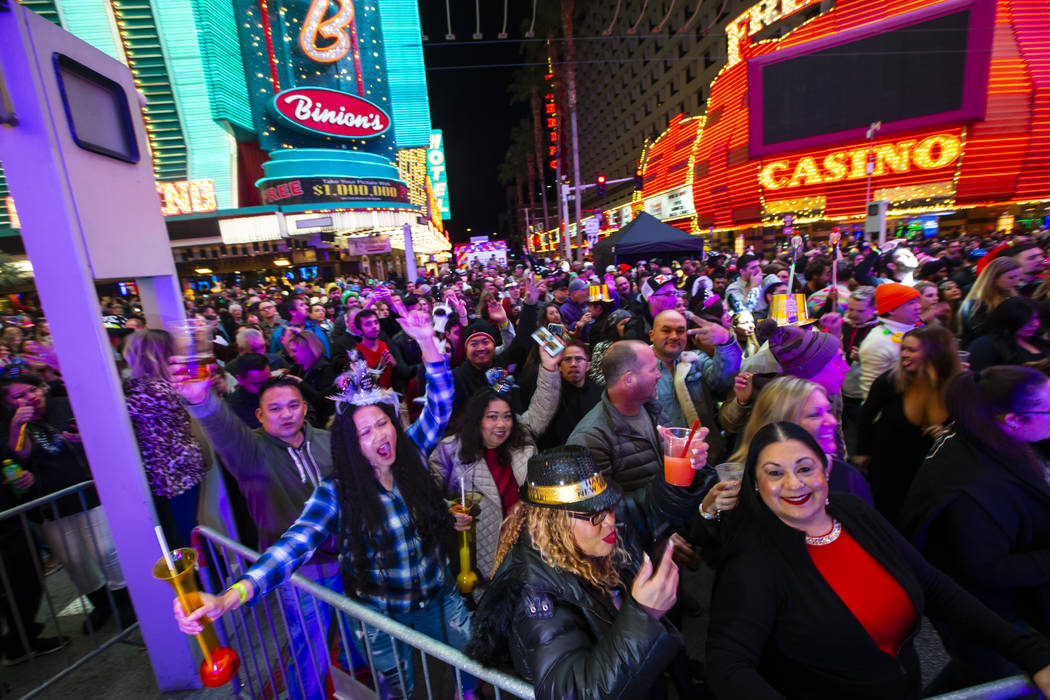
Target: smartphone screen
[[556, 328], [550, 343]]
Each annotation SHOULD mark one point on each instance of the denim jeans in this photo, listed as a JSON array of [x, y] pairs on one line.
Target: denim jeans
[[308, 635], [445, 617]]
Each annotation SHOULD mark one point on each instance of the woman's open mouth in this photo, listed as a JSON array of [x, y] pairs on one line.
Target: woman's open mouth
[[798, 500]]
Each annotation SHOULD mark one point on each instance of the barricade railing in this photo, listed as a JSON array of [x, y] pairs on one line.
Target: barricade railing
[[1003, 689], [270, 666], [264, 659], [25, 586]]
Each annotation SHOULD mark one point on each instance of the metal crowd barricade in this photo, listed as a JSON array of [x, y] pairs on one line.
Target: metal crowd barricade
[[1002, 689], [42, 670], [260, 637]]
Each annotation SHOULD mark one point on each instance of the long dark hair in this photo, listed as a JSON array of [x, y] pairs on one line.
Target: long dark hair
[[751, 512], [1010, 316], [362, 518], [976, 400], [471, 447]]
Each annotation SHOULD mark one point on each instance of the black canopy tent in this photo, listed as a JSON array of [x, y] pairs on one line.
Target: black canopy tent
[[646, 238]]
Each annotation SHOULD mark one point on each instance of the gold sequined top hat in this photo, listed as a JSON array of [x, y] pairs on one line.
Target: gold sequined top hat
[[567, 478]]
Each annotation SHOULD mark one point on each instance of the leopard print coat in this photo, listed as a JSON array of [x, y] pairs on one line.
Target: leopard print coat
[[172, 456]]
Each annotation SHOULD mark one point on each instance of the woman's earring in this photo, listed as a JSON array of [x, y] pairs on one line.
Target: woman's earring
[[827, 501]]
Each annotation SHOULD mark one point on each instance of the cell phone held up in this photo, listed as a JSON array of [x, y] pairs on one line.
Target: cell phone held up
[[550, 343]]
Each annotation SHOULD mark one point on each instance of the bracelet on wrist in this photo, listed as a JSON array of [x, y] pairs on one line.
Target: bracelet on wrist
[[707, 516], [242, 591]]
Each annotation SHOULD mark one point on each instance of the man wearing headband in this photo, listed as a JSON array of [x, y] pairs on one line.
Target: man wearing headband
[[576, 605]]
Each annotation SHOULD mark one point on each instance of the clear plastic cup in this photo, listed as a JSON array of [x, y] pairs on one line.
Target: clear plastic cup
[[730, 471], [193, 347], [678, 467]]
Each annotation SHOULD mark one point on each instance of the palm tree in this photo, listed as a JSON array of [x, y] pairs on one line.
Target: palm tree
[[525, 87], [511, 174]]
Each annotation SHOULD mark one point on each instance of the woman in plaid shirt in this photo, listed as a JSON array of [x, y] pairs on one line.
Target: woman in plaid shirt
[[396, 530]]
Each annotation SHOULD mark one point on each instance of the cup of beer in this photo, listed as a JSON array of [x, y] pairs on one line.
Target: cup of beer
[[193, 347]]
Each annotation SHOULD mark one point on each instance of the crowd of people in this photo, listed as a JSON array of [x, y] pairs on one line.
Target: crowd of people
[[882, 415]]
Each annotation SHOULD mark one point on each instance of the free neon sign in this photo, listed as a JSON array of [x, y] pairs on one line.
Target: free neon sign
[[931, 153]]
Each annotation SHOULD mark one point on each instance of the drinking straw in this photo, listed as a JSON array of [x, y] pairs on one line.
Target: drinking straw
[[689, 441], [463, 494]]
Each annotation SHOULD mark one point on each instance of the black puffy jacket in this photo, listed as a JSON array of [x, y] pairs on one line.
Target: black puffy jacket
[[621, 453], [568, 638]]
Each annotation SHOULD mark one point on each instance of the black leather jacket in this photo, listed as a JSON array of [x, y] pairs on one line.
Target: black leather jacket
[[568, 638]]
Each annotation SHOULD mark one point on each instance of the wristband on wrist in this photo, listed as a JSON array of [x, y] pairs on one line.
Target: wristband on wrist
[[242, 591], [707, 516]]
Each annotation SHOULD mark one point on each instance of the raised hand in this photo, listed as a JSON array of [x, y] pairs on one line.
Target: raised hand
[[744, 387], [497, 314], [41, 352], [551, 362], [420, 327], [417, 325], [723, 496], [186, 383], [831, 323], [532, 290], [656, 591], [712, 333]]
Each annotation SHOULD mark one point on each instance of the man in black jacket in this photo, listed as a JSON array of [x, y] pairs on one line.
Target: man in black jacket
[[620, 431]]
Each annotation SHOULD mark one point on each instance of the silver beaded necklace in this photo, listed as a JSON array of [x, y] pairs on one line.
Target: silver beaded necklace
[[831, 536]]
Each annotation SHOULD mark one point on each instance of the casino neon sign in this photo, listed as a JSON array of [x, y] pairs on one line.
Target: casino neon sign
[[930, 153]]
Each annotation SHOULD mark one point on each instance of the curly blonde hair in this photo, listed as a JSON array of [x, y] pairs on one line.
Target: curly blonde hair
[[551, 534]]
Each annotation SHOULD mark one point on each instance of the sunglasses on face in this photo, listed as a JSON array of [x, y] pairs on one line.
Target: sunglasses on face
[[595, 519]]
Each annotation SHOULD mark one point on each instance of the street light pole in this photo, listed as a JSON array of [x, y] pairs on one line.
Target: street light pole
[[869, 168], [565, 217], [576, 175]]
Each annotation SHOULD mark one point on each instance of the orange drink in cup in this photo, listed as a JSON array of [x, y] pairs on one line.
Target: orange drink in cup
[[678, 467]]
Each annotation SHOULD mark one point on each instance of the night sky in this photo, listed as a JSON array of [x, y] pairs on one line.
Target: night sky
[[470, 104]]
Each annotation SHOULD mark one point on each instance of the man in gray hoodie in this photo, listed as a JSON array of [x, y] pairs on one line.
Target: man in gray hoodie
[[277, 467]]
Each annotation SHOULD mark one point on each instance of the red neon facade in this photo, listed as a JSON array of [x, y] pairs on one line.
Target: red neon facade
[[1000, 160]]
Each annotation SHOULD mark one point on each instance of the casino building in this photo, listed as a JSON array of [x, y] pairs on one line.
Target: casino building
[[959, 91], [291, 135]]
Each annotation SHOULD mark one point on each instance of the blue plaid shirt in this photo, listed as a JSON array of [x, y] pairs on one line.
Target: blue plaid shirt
[[408, 575]]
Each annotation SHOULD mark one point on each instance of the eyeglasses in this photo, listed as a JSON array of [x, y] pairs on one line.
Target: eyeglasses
[[573, 360], [595, 519]]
